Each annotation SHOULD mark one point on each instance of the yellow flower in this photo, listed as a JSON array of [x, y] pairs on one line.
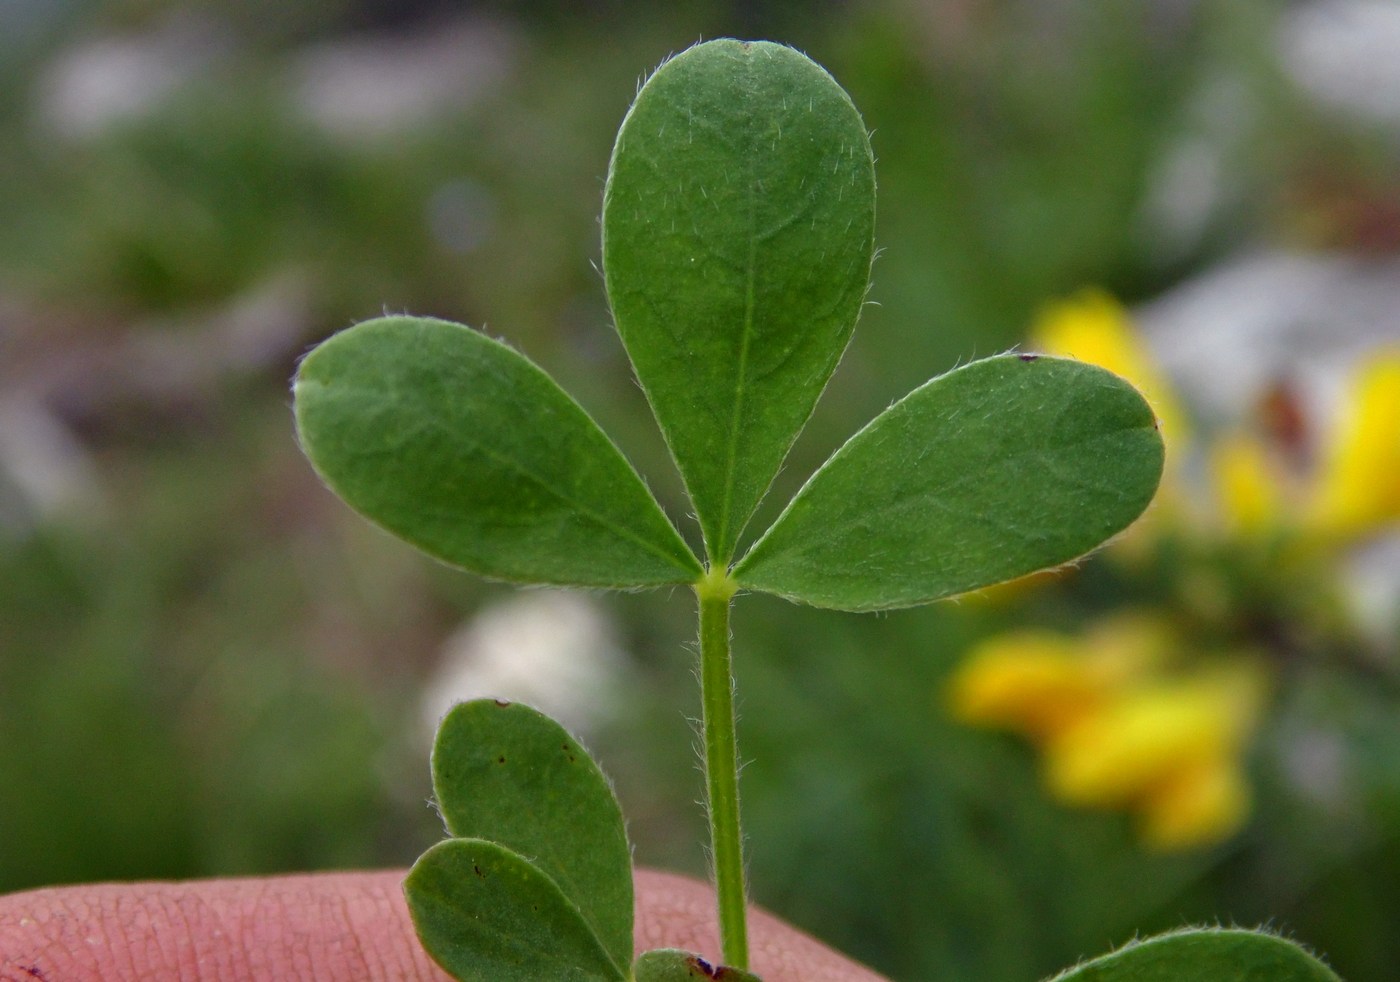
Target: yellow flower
[[1120, 726], [1168, 752], [1356, 488], [1359, 486], [1200, 805], [1149, 735], [1030, 682], [1038, 683], [1248, 489]]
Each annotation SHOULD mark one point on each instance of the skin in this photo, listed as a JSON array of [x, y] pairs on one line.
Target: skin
[[332, 927]]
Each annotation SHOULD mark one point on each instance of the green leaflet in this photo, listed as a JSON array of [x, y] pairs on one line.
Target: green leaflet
[[738, 226], [1217, 955], [508, 773], [486, 914], [671, 965], [1000, 468], [460, 445]]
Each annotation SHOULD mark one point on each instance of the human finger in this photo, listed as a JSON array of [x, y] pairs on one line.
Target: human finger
[[335, 927]]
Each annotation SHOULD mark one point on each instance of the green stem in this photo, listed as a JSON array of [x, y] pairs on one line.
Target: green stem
[[722, 765]]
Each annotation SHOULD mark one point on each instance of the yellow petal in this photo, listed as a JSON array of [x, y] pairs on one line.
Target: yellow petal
[[1092, 326], [1199, 806], [1113, 757], [1030, 682], [1249, 487], [1359, 486]]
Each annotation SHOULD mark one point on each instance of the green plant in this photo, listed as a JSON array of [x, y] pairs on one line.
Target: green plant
[[737, 244]]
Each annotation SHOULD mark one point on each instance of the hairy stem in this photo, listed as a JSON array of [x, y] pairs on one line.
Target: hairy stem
[[722, 765]]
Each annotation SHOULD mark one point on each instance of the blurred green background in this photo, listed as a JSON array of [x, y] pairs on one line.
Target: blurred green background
[[209, 666]]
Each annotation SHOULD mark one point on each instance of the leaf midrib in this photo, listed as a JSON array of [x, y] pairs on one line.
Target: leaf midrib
[[722, 549]]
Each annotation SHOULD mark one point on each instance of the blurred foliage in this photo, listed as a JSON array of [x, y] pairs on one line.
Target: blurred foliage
[[209, 666]]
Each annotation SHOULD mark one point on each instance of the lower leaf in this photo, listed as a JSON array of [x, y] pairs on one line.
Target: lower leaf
[[487, 914], [509, 774], [1219, 955]]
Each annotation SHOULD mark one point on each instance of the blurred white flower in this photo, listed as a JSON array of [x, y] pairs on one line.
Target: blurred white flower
[[96, 84], [1346, 54], [44, 470], [551, 649], [388, 84]]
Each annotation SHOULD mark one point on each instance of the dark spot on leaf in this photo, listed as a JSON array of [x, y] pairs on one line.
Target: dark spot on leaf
[[1027, 356], [477, 870], [500, 760], [706, 970], [502, 702]]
